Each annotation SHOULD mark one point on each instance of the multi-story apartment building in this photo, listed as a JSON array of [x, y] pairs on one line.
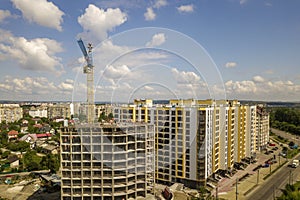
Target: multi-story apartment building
[[107, 161], [59, 111], [263, 128], [188, 136], [250, 131], [10, 112], [40, 111], [195, 138]]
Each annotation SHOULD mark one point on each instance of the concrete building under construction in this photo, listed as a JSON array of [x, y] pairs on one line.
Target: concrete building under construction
[[107, 161]]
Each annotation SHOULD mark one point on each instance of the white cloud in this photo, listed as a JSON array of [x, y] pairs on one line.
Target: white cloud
[[114, 72], [97, 22], [243, 2], [268, 4], [149, 14], [261, 89], [157, 40], [185, 77], [148, 88], [4, 14], [269, 71], [258, 79], [38, 54], [140, 58], [67, 85], [230, 64], [186, 8], [129, 4], [160, 3], [109, 52], [41, 12], [40, 88], [241, 86], [28, 85]]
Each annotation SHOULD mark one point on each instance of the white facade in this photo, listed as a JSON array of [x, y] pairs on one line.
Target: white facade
[[10, 112], [196, 138], [38, 112], [250, 131]]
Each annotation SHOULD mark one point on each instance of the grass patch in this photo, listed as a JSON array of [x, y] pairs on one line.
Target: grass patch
[[290, 192], [275, 170], [280, 139], [292, 152]]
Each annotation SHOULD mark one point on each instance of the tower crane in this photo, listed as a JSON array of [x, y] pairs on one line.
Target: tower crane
[[89, 71]]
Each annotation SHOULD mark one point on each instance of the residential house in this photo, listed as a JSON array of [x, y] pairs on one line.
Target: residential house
[[14, 161], [49, 149], [12, 135], [43, 136], [29, 138], [24, 128]]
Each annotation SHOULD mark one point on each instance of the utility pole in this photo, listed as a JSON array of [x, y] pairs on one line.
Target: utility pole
[[290, 177], [270, 168], [217, 190], [257, 177], [236, 189]]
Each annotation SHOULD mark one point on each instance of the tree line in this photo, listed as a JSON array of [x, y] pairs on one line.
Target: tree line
[[286, 119]]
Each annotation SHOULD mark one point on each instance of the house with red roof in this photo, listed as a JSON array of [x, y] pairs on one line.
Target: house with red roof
[[43, 136], [38, 125], [12, 135]]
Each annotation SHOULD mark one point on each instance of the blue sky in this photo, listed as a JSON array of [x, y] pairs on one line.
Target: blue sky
[[249, 49]]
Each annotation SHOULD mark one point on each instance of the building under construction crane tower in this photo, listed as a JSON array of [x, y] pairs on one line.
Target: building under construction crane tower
[[89, 71]]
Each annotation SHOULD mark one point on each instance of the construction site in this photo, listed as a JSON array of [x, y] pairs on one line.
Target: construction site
[[107, 161]]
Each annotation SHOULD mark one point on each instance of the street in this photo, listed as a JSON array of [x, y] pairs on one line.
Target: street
[[271, 187], [286, 135]]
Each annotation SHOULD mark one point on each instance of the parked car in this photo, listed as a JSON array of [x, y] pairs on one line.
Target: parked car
[[282, 154], [274, 148], [266, 165]]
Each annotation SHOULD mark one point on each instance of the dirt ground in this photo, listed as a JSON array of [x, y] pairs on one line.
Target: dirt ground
[[12, 192]]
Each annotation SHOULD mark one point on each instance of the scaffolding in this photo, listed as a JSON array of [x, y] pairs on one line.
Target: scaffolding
[[113, 161]]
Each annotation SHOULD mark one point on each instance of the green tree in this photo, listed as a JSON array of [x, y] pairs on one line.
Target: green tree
[[19, 146], [33, 166], [286, 119], [102, 117], [5, 154], [31, 157], [32, 129], [51, 162]]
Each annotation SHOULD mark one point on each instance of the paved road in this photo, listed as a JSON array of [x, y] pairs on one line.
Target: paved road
[[287, 135], [25, 173], [271, 187]]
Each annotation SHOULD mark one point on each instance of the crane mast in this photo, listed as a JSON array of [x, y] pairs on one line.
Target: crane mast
[[89, 71]]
